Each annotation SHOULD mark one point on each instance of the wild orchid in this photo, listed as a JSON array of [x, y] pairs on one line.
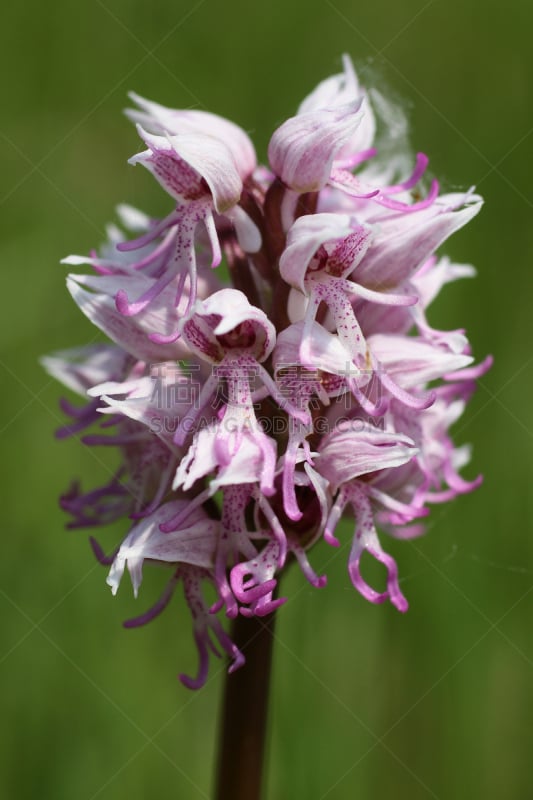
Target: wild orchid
[[271, 367]]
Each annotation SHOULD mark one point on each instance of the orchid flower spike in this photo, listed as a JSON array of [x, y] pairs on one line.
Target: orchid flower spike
[[254, 406]]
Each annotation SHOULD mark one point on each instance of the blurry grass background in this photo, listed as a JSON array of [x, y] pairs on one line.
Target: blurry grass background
[[367, 703]]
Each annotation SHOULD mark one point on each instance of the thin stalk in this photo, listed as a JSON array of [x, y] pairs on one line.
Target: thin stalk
[[244, 712]]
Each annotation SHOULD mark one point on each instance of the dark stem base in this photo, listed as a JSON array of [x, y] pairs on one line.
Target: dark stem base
[[244, 712]]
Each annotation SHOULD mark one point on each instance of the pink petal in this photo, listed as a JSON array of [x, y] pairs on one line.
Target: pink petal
[[351, 451], [302, 150], [161, 120], [182, 161]]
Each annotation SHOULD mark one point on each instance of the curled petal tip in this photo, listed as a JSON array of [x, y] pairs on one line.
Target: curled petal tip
[[400, 603], [191, 683], [331, 539], [123, 305], [235, 665]]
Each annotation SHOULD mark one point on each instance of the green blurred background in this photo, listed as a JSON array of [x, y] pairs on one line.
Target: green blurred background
[[366, 703]]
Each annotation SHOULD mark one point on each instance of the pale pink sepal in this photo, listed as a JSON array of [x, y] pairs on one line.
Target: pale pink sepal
[[302, 150], [194, 543], [351, 450], [311, 231], [338, 90], [182, 162], [161, 120], [221, 315]]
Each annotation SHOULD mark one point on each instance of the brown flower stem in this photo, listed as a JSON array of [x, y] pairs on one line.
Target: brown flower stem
[[244, 712]]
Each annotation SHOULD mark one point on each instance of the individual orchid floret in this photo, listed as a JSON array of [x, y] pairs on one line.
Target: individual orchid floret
[[329, 244], [190, 551], [161, 120], [322, 144], [200, 173], [251, 459], [192, 167], [196, 195], [156, 323], [351, 451], [321, 250], [247, 477], [226, 324], [194, 543], [415, 362], [366, 539], [338, 91], [302, 150], [158, 399], [347, 455], [404, 242], [305, 389], [228, 331]]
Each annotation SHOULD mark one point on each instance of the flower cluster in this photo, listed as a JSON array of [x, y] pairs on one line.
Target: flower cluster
[[251, 419]]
